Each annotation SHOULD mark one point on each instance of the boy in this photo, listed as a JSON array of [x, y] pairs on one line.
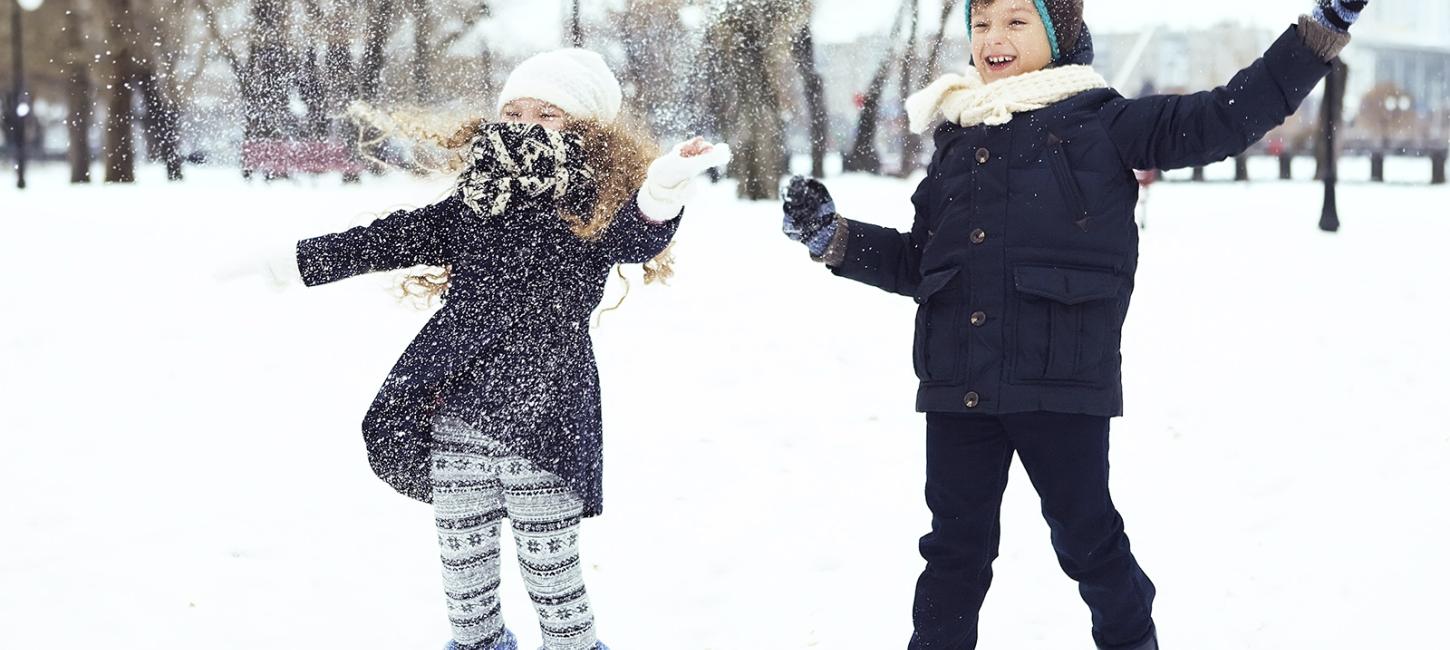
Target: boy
[[1022, 302]]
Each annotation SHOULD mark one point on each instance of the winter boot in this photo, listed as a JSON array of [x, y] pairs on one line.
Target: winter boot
[[505, 642]]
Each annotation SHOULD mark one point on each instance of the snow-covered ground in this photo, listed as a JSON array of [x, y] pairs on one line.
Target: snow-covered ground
[[180, 463]]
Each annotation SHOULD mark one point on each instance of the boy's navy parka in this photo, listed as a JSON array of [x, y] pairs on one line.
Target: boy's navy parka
[[509, 352], [1024, 246]]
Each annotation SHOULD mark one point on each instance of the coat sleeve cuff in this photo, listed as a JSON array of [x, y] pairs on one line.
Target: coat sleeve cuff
[[836, 250], [1325, 42]]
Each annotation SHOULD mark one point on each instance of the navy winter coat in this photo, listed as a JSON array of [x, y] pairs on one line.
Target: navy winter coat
[[509, 351], [1024, 247]]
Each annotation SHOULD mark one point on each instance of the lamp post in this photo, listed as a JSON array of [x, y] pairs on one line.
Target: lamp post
[[20, 97]]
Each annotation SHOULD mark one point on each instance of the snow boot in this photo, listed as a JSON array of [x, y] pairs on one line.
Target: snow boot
[[505, 642]]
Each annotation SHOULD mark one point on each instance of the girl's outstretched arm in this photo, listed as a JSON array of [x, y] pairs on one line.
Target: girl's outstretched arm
[[1175, 131], [397, 241], [634, 238], [646, 224]]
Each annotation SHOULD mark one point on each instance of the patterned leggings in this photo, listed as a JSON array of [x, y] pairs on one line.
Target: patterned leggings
[[476, 484]]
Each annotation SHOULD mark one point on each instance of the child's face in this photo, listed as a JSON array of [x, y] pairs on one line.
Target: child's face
[[1008, 39], [533, 111]]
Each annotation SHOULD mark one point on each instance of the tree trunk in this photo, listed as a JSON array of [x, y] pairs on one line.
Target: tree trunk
[[370, 69], [79, 92], [163, 120], [268, 72], [340, 88], [910, 142], [120, 139], [576, 26], [422, 51], [1198, 174], [1377, 166], [1437, 166], [933, 59], [804, 51], [1286, 166], [863, 156], [759, 131], [1241, 168]]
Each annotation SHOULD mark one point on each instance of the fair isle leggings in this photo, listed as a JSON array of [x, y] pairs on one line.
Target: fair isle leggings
[[476, 483]]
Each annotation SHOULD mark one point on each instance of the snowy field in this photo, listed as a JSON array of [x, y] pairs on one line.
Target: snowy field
[[181, 467]]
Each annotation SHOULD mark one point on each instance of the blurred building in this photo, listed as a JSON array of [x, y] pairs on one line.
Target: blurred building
[[1405, 43]]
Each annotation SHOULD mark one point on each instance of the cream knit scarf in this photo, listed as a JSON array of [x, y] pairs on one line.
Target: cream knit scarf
[[965, 100]]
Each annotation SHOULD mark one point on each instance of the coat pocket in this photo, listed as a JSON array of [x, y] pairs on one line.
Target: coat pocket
[[1072, 195], [1065, 324], [936, 344]]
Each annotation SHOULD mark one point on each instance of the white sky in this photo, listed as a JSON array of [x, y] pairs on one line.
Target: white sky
[[844, 20]]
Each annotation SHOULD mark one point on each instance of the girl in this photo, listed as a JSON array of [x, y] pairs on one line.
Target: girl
[[493, 411], [1021, 257]]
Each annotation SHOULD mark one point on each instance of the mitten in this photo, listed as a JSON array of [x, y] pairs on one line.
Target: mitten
[[810, 214], [670, 182], [277, 265], [1337, 15]]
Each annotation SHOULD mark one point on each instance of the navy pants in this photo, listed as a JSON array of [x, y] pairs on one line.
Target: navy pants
[[1066, 456]]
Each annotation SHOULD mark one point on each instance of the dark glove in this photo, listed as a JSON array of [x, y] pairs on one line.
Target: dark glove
[[810, 214], [514, 165], [1337, 15]]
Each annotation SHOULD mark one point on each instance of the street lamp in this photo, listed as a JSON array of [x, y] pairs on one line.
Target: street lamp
[[20, 98]]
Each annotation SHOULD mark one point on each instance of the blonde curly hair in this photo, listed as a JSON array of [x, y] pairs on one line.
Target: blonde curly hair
[[619, 153]]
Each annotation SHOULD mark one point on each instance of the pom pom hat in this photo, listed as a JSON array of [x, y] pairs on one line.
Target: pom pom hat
[[577, 81]]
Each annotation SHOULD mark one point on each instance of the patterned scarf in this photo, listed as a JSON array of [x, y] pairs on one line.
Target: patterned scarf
[[514, 165], [966, 100]]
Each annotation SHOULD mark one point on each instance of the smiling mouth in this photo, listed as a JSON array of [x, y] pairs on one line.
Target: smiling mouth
[[998, 63]]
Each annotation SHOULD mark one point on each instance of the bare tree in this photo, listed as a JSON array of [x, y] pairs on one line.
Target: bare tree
[[804, 51], [863, 156], [120, 143], [576, 26], [910, 142], [933, 58], [79, 92], [653, 39], [422, 49], [749, 46]]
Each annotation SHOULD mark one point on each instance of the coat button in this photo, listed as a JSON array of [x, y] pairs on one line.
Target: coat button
[[979, 236], [983, 156], [979, 318], [972, 400]]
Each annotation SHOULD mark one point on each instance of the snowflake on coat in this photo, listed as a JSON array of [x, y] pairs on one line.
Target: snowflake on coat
[[514, 165]]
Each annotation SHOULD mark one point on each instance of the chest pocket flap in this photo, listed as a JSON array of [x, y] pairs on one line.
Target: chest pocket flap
[[1067, 286]]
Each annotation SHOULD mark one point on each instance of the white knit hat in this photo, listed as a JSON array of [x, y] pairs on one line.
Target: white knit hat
[[575, 80]]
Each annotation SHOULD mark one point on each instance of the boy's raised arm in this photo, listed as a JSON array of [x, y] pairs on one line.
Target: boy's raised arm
[[1175, 131]]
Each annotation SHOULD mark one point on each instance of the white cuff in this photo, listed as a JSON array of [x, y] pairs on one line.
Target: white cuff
[[656, 209], [282, 267]]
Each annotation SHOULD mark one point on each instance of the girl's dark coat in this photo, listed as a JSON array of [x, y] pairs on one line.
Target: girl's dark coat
[[510, 350], [1024, 248]]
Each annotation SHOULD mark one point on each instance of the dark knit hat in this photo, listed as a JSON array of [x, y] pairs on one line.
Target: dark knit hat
[[1062, 18]]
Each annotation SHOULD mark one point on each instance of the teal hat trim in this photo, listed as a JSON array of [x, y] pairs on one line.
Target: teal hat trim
[[1046, 22]]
